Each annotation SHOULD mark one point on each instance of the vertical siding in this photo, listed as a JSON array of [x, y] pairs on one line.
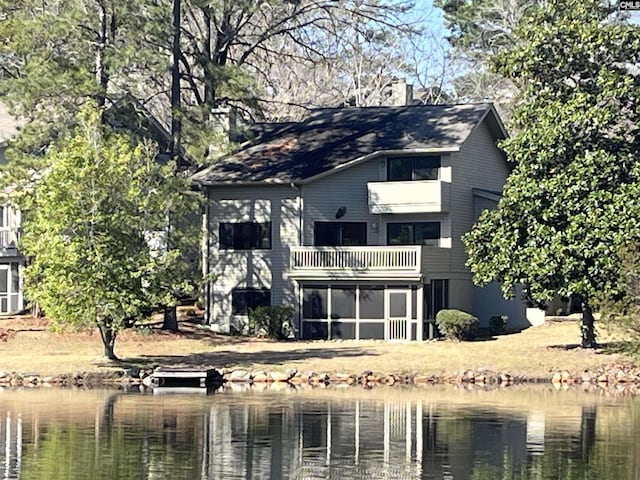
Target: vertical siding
[[347, 188], [252, 268], [489, 301], [461, 293], [479, 164]]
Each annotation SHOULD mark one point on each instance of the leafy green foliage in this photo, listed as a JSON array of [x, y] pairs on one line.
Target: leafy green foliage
[[573, 199], [623, 310], [276, 321], [103, 251], [456, 324]]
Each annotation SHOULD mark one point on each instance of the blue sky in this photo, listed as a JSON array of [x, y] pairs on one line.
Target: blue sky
[[435, 46]]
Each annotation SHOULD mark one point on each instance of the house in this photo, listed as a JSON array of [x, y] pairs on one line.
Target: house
[[354, 217], [11, 260]]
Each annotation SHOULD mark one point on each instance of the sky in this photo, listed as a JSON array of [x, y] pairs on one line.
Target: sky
[[433, 66]]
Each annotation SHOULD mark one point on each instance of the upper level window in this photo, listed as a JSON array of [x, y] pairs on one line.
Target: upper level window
[[424, 167], [413, 233], [245, 235], [333, 234]]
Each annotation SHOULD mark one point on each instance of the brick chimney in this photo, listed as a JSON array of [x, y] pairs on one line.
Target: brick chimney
[[401, 93]]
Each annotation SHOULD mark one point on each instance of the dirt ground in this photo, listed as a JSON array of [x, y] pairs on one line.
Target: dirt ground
[[27, 346]]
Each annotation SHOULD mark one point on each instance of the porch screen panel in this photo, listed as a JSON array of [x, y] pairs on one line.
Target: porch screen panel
[[4, 281], [315, 302], [414, 302], [15, 278], [371, 331], [343, 302], [15, 287], [397, 305], [440, 295], [436, 298], [372, 302], [315, 330], [343, 330]]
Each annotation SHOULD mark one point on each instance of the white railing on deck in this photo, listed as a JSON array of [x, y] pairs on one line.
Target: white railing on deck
[[398, 258], [9, 237]]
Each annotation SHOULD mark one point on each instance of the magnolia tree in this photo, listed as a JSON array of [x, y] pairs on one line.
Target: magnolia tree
[[103, 252], [572, 201]]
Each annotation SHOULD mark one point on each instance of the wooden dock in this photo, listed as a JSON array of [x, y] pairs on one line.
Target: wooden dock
[[186, 377]]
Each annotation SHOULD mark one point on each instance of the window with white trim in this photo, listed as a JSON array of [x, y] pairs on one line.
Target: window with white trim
[[423, 167], [413, 233]]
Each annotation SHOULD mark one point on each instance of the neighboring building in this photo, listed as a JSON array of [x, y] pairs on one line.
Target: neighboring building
[[355, 217], [11, 260]]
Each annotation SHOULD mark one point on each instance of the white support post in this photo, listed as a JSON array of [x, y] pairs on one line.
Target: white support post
[[419, 436], [357, 434], [420, 313], [328, 436], [407, 432], [387, 433]]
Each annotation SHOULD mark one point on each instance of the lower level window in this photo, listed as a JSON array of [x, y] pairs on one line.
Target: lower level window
[[244, 299]]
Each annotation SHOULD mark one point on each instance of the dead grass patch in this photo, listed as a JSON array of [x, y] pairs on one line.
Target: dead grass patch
[[536, 351]]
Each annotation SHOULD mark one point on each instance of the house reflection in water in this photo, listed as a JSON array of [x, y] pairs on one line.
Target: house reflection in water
[[11, 441], [361, 439], [296, 437]]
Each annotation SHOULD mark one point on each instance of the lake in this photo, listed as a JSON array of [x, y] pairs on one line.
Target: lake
[[352, 433]]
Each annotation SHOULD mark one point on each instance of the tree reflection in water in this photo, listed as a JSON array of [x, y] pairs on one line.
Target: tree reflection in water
[[359, 436]]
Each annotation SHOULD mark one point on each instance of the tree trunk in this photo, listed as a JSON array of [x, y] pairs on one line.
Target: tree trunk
[[176, 126], [587, 431], [102, 79], [108, 341], [588, 330], [170, 320]]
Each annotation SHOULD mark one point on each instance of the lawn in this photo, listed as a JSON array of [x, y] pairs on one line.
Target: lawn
[[26, 345]]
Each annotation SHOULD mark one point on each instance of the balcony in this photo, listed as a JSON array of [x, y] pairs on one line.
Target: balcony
[[421, 196], [382, 263], [9, 240]]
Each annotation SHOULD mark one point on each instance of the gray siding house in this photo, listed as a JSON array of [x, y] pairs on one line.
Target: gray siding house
[[354, 217]]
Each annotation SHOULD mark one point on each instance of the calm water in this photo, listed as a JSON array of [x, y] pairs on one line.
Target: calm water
[[346, 434]]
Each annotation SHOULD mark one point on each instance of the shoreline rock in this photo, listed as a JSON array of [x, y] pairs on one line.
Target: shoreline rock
[[620, 376]]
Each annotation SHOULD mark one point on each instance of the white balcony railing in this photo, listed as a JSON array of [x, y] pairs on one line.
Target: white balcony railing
[[421, 196], [379, 261], [9, 237]]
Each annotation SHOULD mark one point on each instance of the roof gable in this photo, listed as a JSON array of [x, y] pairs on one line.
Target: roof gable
[[332, 138]]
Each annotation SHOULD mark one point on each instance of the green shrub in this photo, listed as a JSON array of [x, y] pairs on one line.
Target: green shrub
[[456, 324], [498, 324], [274, 321]]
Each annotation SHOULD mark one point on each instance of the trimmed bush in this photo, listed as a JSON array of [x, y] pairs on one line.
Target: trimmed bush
[[274, 321], [456, 324], [498, 324]]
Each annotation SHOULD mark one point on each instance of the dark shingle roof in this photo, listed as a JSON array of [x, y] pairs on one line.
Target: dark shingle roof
[[329, 138]]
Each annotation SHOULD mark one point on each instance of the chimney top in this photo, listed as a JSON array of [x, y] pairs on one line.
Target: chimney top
[[401, 93]]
